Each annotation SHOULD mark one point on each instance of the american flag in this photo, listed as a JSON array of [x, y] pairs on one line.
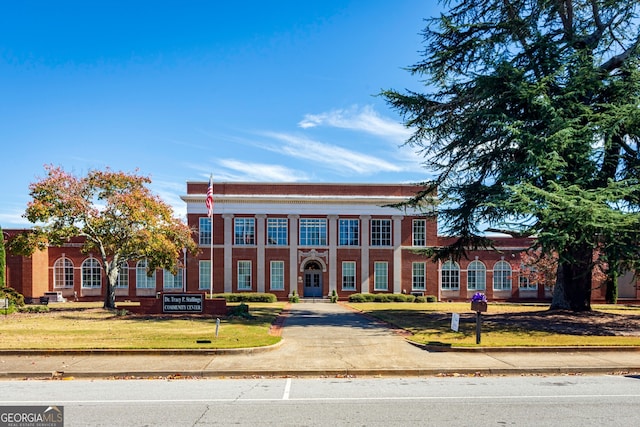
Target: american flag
[[209, 199]]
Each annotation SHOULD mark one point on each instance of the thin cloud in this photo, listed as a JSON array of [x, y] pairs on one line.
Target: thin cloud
[[334, 157], [261, 172], [363, 119]]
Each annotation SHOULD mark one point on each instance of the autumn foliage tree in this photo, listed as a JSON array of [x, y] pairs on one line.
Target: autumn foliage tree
[[115, 213], [530, 118]]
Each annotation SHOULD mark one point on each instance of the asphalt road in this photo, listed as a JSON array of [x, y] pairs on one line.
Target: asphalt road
[[567, 400]]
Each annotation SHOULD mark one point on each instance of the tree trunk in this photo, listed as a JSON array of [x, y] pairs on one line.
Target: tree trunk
[[611, 291], [575, 279], [112, 270]]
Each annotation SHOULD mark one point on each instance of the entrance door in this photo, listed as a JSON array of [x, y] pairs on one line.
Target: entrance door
[[313, 281]]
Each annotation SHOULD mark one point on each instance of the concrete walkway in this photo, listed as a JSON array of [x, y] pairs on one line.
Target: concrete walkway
[[319, 339]]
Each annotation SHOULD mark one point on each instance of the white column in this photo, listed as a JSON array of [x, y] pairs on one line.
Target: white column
[[397, 254], [260, 242], [293, 253], [228, 252], [364, 253], [333, 253]]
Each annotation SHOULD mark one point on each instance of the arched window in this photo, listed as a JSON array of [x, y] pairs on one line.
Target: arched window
[[172, 281], [450, 276], [123, 276], [476, 276], [63, 273], [501, 276], [91, 273], [143, 280]]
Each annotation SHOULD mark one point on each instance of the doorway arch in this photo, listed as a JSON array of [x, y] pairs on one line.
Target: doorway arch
[[312, 280]]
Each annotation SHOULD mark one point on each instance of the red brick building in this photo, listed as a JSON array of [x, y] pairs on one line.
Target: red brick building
[[309, 238]]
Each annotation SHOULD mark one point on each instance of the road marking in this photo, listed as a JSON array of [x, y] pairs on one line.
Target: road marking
[[317, 399], [287, 389]]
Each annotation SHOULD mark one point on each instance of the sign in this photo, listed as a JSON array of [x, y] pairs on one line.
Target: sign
[[31, 416], [182, 303], [455, 321]]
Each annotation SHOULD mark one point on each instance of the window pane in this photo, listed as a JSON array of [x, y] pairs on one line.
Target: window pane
[[244, 275], [277, 231], [204, 231], [204, 278], [349, 275], [502, 276], [418, 282], [172, 281], [91, 273], [450, 276], [313, 232], [476, 276], [123, 276], [381, 276], [63, 273], [244, 231], [419, 232], [142, 279], [349, 232], [277, 275], [380, 232]]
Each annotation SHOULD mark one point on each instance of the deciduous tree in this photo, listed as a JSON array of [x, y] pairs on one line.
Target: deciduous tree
[[531, 119], [115, 213]]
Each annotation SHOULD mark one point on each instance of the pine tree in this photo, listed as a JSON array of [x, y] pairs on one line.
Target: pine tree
[[531, 119]]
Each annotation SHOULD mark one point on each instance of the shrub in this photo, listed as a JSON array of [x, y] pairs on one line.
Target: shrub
[[15, 297], [431, 298], [247, 297], [334, 296], [241, 310], [34, 309], [420, 299], [294, 298]]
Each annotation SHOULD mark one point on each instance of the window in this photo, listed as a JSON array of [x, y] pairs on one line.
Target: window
[[380, 232], [313, 232], [204, 275], [418, 276], [91, 273], [63, 273], [123, 276], [204, 231], [450, 276], [277, 275], [244, 231], [502, 276], [277, 231], [349, 232], [348, 275], [476, 276], [244, 275], [172, 281], [381, 276], [143, 280], [419, 232], [528, 280]]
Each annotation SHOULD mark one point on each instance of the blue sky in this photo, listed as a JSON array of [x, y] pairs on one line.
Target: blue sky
[[244, 90]]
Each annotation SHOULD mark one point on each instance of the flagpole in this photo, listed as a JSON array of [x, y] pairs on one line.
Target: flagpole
[[209, 203]]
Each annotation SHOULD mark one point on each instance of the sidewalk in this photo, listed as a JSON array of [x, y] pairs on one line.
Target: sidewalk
[[319, 339]]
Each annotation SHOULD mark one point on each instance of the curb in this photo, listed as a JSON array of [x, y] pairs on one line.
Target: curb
[[322, 373]]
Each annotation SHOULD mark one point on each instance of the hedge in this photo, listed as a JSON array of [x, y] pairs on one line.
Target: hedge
[[247, 297]]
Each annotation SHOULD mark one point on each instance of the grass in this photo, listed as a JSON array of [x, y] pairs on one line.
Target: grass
[[87, 326], [431, 324]]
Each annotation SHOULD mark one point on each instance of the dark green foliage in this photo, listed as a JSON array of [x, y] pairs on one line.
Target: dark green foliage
[[531, 121], [241, 310], [381, 298], [15, 298], [431, 298], [247, 297]]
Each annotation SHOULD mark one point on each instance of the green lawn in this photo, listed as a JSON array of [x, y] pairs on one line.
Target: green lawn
[[430, 323], [86, 326]]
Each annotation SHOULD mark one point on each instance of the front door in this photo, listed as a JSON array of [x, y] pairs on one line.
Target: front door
[[312, 281]]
